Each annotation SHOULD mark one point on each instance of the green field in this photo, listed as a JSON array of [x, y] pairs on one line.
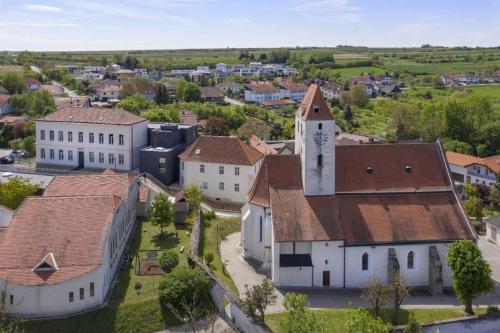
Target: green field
[[358, 71]]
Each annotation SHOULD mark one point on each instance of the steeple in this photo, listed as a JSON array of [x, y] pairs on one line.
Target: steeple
[[313, 106]]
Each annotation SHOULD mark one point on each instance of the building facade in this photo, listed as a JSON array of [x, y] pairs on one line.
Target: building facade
[[472, 169], [224, 168], [91, 138]]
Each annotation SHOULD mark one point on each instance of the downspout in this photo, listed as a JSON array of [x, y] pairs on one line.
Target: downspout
[[344, 264], [312, 277]]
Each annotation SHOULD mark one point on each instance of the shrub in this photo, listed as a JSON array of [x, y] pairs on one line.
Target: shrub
[[138, 287], [209, 215], [182, 285], [168, 261], [209, 257], [492, 309]]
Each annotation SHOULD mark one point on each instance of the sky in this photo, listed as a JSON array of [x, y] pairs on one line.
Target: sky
[[72, 25]]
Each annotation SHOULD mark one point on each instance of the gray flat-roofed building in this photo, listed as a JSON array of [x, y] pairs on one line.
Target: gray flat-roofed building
[[165, 142]]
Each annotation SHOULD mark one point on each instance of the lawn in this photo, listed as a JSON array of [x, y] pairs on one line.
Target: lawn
[[226, 226], [358, 71], [129, 311], [335, 318]]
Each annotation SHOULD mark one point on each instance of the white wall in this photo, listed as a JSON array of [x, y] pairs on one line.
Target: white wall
[[295, 277], [328, 256], [190, 174]]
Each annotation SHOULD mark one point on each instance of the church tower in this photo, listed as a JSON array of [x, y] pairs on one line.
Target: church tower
[[315, 143]]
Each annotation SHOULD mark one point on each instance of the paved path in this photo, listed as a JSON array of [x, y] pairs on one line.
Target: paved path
[[233, 101], [70, 93], [243, 274]]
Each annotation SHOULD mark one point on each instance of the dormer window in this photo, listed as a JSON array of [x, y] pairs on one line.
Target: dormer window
[[315, 109], [369, 170], [48, 263], [408, 168]]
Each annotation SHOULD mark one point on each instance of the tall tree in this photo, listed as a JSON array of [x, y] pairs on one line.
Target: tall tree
[[194, 196], [399, 292], [13, 82], [258, 299], [13, 192], [298, 318], [376, 293], [162, 211], [216, 126], [471, 273]]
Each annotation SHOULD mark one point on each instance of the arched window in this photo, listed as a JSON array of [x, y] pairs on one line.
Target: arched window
[[411, 260], [320, 126], [320, 161], [364, 262]]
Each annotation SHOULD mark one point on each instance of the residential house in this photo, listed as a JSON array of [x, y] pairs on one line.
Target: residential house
[[332, 90], [5, 104], [389, 90], [230, 88], [493, 229], [224, 168], [472, 169], [364, 80], [142, 72], [60, 253], [212, 94], [32, 84], [343, 139], [98, 138], [106, 92], [14, 121], [166, 141], [292, 90], [259, 91], [335, 216], [74, 102], [261, 146], [53, 89], [278, 103], [124, 74], [147, 90]]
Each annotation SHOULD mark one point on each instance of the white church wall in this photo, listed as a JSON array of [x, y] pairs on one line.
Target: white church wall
[[328, 256], [295, 277], [252, 245]]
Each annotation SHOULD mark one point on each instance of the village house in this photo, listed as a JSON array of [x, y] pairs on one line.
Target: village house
[[32, 84], [212, 94], [335, 216], [472, 169], [107, 92], [59, 261], [259, 91], [53, 89], [224, 168], [147, 90], [292, 90], [230, 88], [74, 102], [332, 90], [92, 137]]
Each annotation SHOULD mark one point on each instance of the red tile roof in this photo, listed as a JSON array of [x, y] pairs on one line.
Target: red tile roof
[[313, 106], [293, 87], [261, 87], [261, 146], [86, 185], [31, 81], [493, 162], [4, 99], [146, 88], [93, 115], [53, 89], [221, 149], [188, 117]]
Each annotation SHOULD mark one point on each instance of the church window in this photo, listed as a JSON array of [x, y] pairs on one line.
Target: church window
[[320, 161], [411, 260], [364, 262], [315, 109], [260, 229], [320, 126]]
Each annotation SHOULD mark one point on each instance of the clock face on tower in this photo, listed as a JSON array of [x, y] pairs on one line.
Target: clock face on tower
[[320, 137]]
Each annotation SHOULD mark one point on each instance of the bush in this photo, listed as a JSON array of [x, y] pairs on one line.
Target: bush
[[209, 257], [138, 287], [182, 285], [492, 309], [168, 261]]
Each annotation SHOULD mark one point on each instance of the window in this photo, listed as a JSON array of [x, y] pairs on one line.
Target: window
[[120, 139], [110, 139], [91, 157], [202, 168], [71, 296], [52, 154], [70, 155], [260, 229], [91, 292], [364, 262], [91, 137], [42, 135], [182, 165], [221, 170], [121, 159], [60, 136], [162, 165], [51, 135], [315, 109], [11, 299], [101, 157], [236, 187], [111, 158], [221, 186], [82, 293], [205, 185], [410, 264], [80, 136], [320, 126], [101, 138], [236, 171], [42, 153], [320, 161], [61, 154]]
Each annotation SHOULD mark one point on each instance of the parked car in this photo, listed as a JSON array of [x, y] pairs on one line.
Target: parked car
[[6, 160], [17, 153]]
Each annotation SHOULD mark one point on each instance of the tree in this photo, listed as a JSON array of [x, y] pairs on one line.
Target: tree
[[437, 82], [162, 211], [13, 82], [192, 93], [42, 103], [6, 135], [405, 118], [169, 260], [413, 326], [347, 112], [494, 197], [135, 103], [471, 273], [194, 196], [162, 96], [345, 98], [360, 321], [376, 293], [216, 126], [138, 287], [182, 285], [399, 292], [258, 299], [474, 207], [299, 319], [13, 192], [209, 257], [359, 95]]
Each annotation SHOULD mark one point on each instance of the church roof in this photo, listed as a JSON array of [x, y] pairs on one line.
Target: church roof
[[313, 106]]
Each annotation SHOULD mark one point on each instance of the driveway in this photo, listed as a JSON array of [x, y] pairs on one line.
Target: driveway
[[244, 273]]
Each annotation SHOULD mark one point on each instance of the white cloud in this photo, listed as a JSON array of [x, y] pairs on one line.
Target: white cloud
[[42, 8]]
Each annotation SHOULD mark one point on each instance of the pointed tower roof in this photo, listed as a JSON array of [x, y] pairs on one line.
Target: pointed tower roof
[[313, 106]]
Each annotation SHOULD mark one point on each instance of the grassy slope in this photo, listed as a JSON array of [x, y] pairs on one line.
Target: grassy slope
[[335, 318]]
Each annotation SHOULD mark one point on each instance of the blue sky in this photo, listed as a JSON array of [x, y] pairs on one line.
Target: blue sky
[[169, 24]]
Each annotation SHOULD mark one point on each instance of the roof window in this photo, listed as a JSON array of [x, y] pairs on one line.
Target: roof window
[[369, 170], [197, 151], [315, 109], [48, 263], [408, 168]]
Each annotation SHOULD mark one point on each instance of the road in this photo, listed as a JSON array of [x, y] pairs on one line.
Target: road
[[70, 93], [233, 101]]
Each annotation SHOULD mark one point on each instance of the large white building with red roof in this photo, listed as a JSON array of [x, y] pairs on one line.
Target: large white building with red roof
[[60, 252], [335, 216], [97, 138], [472, 169]]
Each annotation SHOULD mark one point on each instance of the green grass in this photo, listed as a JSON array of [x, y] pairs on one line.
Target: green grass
[[227, 226], [335, 318], [358, 71]]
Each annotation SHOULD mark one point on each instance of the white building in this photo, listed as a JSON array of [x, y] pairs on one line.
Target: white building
[[259, 91], [58, 261], [332, 90], [335, 216], [473, 170], [143, 72], [91, 138], [292, 90], [223, 167]]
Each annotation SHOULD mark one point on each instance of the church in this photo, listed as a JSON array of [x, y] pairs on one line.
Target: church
[[334, 216]]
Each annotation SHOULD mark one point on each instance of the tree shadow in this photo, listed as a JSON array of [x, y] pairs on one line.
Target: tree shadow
[[167, 240]]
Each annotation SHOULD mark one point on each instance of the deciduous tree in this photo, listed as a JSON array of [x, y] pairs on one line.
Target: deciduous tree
[[258, 299], [376, 293], [162, 211], [361, 321], [216, 126], [298, 318]]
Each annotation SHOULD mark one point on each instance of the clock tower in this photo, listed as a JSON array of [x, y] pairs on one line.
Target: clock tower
[[315, 143]]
